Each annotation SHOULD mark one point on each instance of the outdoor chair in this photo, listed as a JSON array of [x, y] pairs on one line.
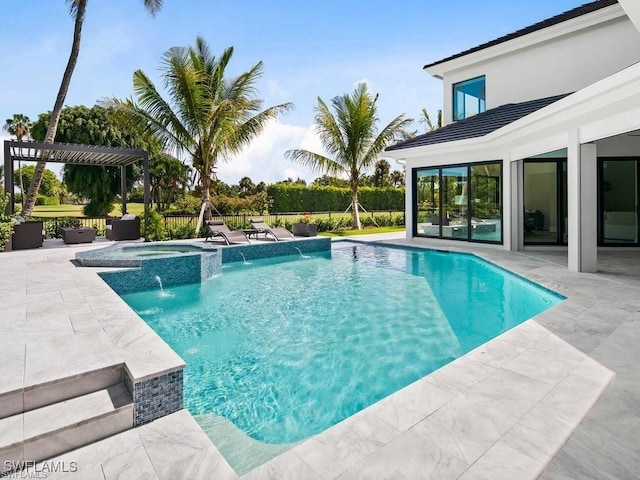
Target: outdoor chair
[[278, 233], [126, 228], [219, 229]]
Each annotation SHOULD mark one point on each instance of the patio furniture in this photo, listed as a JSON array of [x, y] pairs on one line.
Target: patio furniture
[[219, 229], [123, 229], [278, 233], [27, 235], [78, 235]]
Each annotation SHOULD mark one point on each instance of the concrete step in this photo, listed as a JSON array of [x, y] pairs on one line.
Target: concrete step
[[53, 429], [31, 397]]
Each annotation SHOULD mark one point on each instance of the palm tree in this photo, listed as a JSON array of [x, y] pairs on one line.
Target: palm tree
[[208, 116], [77, 10], [19, 126], [351, 137], [425, 120]]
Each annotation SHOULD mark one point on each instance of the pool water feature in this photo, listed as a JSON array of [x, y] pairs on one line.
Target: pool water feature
[[288, 346]]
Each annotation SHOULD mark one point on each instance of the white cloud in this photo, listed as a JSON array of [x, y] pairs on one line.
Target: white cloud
[[264, 160]]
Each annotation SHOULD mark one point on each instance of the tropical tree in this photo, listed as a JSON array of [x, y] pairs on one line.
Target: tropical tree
[[381, 173], [77, 9], [208, 115], [94, 126], [351, 137], [246, 187], [397, 178], [425, 120], [19, 126], [169, 178], [50, 181]]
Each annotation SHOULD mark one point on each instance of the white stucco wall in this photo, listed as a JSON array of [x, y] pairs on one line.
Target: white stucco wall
[[560, 65]]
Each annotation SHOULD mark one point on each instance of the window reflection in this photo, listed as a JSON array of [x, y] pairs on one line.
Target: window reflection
[[460, 202]]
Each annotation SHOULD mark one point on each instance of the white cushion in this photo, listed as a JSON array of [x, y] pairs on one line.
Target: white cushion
[[128, 216]]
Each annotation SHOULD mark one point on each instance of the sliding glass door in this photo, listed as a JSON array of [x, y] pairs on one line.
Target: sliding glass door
[[462, 202], [427, 193], [545, 202], [619, 201]]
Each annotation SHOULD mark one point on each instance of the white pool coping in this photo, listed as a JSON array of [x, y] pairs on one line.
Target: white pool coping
[[503, 410]]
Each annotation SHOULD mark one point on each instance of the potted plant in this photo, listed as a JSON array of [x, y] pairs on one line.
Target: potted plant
[[305, 227], [6, 225]]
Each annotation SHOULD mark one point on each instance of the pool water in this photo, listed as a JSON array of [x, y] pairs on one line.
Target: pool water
[[287, 347]]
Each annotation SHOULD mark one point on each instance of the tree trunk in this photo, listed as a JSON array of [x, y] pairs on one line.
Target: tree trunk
[[57, 109], [355, 211], [206, 195], [21, 183]]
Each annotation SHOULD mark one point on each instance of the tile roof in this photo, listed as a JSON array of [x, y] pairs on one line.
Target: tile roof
[[563, 17], [479, 125]]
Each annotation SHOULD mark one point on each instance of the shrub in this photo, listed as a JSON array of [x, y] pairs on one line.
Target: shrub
[[181, 232], [6, 226], [53, 228], [44, 200], [155, 227], [298, 198]]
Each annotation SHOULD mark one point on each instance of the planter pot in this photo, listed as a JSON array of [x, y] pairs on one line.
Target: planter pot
[[305, 229]]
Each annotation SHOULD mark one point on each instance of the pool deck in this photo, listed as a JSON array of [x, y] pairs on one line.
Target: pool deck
[[554, 398]]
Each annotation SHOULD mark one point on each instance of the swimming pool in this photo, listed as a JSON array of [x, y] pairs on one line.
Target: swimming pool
[[287, 347]]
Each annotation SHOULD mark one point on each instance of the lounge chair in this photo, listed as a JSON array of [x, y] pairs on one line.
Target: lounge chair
[[278, 233], [219, 229]]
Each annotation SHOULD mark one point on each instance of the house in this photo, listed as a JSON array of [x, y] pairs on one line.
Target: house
[[541, 138]]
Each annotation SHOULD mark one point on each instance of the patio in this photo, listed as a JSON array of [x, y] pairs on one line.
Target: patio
[[504, 410]]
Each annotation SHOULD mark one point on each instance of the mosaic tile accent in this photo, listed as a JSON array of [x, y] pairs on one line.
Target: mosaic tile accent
[[155, 397], [182, 269], [275, 249], [199, 263]]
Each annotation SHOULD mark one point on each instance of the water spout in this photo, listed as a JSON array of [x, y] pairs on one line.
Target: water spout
[[162, 294], [301, 254], [244, 259]]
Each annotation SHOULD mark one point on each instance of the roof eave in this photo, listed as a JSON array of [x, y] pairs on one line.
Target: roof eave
[[589, 20]]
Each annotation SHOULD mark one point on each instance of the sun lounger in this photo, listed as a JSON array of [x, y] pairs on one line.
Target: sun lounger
[[219, 229], [277, 233]]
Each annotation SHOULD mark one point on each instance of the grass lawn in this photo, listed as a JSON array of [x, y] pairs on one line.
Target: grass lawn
[[364, 231], [76, 210]]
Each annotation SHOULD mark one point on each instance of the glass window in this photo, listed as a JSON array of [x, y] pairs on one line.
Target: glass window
[[462, 202], [469, 98], [486, 202], [428, 202], [455, 211]]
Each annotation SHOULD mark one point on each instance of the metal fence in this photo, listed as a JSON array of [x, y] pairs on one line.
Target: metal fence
[[52, 225]]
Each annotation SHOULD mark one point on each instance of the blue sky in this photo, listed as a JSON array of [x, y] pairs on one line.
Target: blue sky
[[309, 49]]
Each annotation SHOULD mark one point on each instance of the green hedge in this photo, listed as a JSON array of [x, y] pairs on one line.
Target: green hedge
[[297, 198], [44, 200]]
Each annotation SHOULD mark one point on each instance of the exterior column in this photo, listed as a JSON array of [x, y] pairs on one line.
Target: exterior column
[[145, 167], [516, 200], [589, 208], [507, 204], [123, 188], [408, 202], [573, 202], [583, 207]]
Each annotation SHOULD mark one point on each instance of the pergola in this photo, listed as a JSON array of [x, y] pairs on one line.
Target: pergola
[[73, 154]]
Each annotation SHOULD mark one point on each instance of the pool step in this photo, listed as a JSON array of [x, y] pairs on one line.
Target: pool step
[[50, 430], [56, 390]]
